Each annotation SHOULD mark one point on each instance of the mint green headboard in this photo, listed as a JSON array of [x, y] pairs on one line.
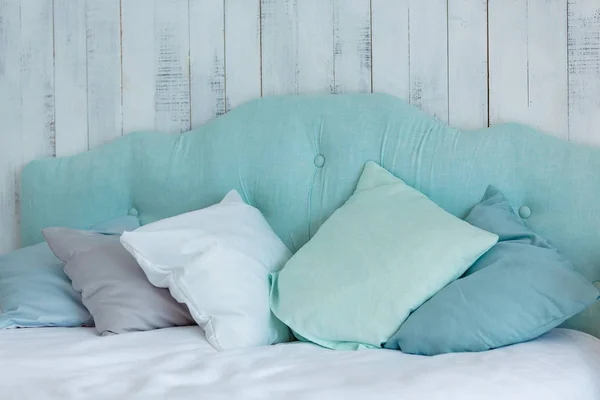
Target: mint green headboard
[[298, 158]]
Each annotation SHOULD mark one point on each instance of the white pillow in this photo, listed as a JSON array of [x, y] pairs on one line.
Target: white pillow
[[217, 261]]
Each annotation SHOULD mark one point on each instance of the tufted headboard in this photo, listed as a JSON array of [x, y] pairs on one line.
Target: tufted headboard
[[298, 158]]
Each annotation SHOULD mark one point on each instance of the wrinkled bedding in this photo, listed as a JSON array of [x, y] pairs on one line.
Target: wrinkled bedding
[[178, 363]]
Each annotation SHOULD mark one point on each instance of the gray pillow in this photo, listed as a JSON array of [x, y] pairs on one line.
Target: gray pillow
[[114, 288]]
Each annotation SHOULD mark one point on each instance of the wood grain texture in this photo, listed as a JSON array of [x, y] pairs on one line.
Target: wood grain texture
[[11, 115], [207, 60], [315, 47], [279, 33], [103, 21], [467, 63], [297, 46], [352, 45], [26, 102], [70, 77], [242, 51], [584, 71], [528, 49], [138, 65], [37, 87], [172, 49], [429, 57], [391, 58], [77, 73]]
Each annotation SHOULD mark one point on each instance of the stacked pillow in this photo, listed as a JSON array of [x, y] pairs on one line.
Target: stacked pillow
[[517, 291], [383, 269], [209, 266], [377, 258], [27, 273], [217, 261], [389, 268], [113, 287]]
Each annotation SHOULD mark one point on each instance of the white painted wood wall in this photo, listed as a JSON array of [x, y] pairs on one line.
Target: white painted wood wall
[[76, 73]]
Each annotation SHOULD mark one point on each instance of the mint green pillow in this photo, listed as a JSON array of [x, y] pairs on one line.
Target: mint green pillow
[[377, 258]]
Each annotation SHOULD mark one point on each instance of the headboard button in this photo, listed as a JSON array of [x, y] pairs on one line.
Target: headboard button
[[133, 212], [319, 161], [524, 212]]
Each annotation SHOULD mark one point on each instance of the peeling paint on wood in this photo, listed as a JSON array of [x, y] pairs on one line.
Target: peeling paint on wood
[[279, 26], [207, 60], [70, 77], [242, 51], [390, 47], [37, 88], [584, 70], [172, 48], [125, 65], [315, 47], [352, 46], [138, 65], [103, 71], [467, 63], [297, 47], [26, 102], [11, 117], [528, 49], [429, 56]]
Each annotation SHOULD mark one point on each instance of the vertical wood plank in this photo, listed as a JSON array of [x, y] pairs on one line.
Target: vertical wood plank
[[508, 60], [139, 67], [279, 29], [352, 46], [528, 76], [315, 47], [390, 47], [467, 63], [70, 77], [103, 21], [207, 60], [242, 51], [37, 88], [429, 57], [547, 37], [172, 46], [26, 102], [11, 117], [584, 70], [297, 47], [37, 75]]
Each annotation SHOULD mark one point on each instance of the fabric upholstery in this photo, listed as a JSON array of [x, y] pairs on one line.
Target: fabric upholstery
[[298, 158]]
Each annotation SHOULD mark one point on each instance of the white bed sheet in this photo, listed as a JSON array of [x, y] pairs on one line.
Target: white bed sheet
[[177, 363]]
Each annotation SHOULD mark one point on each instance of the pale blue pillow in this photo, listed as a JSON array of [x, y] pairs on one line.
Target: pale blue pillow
[[34, 290], [518, 290]]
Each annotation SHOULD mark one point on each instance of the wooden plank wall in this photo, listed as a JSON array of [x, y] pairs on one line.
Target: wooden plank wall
[[77, 73]]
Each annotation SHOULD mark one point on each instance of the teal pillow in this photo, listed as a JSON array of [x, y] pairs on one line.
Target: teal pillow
[[378, 257], [34, 290], [518, 290]]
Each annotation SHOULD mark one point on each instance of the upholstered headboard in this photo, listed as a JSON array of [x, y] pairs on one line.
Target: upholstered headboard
[[298, 158]]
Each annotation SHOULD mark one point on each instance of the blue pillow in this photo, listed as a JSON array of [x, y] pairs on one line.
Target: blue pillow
[[518, 290], [34, 290]]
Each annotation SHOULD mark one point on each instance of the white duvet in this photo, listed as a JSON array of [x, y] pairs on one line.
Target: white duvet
[[177, 363]]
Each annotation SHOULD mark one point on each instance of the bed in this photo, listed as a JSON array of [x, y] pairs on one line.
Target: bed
[[297, 159], [177, 363]]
